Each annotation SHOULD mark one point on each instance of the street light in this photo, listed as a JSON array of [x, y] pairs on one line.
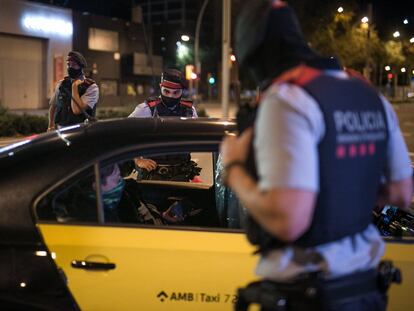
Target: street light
[[340, 9], [405, 21], [412, 40], [182, 50], [365, 26], [403, 70], [387, 68], [396, 34], [185, 38]]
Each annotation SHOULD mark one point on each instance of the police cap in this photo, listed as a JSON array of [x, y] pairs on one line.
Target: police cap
[[78, 58], [173, 79]]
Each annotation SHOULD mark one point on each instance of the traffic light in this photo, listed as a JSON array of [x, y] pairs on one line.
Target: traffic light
[[189, 72], [211, 80]]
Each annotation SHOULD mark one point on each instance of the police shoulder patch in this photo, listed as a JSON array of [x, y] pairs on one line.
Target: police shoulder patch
[[153, 101], [187, 103], [66, 81]]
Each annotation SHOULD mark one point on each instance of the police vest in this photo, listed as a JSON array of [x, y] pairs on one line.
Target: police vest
[[64, 114], [183, 109], [158, 108], [352, 156]]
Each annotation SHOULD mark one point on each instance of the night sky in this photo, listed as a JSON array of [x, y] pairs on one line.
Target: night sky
[[388, 15]]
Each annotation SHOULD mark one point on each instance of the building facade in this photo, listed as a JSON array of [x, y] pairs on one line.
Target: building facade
[[118, 57], [34, 40]]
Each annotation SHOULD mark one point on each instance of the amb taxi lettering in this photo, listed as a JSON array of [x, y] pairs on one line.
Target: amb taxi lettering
[[182, 296], [163, 296]]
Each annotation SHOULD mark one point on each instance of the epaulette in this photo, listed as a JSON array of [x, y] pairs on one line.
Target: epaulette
[[65, 78], [355, 74], [153, 101], [299, 75], [187, 103]]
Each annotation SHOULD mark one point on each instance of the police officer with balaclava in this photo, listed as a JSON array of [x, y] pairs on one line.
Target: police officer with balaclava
[[169, 104], [75, 97], [177, 167], [310, 169]]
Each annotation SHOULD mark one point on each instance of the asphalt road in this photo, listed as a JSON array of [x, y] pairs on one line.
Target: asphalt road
[[405, 113]]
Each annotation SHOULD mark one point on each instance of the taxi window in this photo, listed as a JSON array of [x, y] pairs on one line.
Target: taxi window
[[168, 189], [180, 189], [73, 201]]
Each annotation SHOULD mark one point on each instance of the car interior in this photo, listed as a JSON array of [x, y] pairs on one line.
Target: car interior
[[128, 199]]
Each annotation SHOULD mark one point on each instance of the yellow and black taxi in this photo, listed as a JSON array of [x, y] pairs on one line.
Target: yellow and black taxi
[[82, 229]]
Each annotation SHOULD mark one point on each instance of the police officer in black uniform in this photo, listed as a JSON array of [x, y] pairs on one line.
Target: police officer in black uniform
[[75, 97], [169, 104], [177, 167], [324, 145]]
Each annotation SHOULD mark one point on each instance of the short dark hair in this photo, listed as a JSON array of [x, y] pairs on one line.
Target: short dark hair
[[78, 58]]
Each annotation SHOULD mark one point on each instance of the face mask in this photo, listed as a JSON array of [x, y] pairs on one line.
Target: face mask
[[74, 73], [111, 197], [170, 102]]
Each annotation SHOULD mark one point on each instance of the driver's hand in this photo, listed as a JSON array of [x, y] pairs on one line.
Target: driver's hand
[[146, 164]]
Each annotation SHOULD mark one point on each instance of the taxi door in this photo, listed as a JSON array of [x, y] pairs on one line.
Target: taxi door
[[119, 268], [401, 252]]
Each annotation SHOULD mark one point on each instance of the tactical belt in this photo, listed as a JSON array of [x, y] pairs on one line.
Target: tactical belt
[[308, 292]]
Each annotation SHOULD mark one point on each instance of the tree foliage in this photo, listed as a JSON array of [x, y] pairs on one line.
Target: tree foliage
[[355, 44]]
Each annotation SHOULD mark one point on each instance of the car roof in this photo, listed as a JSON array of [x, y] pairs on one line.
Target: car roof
[[114, 133]]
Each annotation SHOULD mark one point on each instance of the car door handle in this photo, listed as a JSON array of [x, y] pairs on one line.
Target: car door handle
[[91, 265]]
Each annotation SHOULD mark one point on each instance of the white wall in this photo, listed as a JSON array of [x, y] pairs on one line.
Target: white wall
[[59, 41]]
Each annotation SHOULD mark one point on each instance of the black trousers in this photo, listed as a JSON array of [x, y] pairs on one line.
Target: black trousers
[[374, 301], [359, 291]]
